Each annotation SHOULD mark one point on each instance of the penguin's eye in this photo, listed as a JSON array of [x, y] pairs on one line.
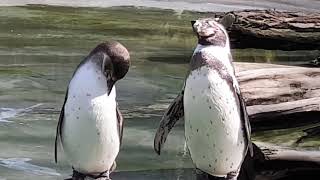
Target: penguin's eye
[[108, 69], [107, 73]]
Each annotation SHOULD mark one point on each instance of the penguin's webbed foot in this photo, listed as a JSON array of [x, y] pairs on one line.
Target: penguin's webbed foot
[[81, 176], [104, 176], [233, 175]]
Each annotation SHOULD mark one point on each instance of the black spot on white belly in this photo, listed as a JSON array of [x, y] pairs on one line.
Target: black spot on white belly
[[231, 165]]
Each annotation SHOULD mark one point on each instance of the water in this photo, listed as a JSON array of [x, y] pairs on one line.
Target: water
[[180, 5], [39, 48]]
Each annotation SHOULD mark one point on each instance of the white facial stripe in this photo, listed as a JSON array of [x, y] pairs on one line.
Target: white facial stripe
[[226, 33]]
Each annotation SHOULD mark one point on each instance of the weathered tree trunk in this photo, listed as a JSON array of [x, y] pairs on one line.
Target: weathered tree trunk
[[277, 84], [277, 163], [310, 133], [285, 115], [278, 93], [271, 29]]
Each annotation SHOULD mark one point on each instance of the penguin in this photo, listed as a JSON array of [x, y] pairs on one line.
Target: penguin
[[90, 125], [217, 128]]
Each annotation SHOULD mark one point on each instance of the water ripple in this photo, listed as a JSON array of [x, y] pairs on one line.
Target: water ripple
[[7, 113], [23, 165]]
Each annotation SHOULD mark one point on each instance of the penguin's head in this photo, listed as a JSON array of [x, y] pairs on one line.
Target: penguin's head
[[212, 31], [114, 60]]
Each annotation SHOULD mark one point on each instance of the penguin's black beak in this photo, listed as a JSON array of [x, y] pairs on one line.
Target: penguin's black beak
[[192, 23], [110, 84]]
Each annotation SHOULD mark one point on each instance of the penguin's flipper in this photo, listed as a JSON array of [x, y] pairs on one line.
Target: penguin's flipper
[[120, 124], [245, 121], [59, 128], [243, 111], [113, 167], [174, 112]]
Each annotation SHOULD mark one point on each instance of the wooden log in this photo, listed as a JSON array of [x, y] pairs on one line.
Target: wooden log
[[277, 84], [278, 93], [277, 163], [284, 115], [309, 133], [271, 29], [285, 163]]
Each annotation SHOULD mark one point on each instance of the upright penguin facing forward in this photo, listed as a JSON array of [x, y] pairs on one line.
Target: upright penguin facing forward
[[90, 123], [217, 128]]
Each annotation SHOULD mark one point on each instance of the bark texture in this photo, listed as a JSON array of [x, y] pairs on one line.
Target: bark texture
[[271, 29], [279, 96]]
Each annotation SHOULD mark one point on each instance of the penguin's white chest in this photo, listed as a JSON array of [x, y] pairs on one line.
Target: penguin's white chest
[[90, 136], [213, 128]]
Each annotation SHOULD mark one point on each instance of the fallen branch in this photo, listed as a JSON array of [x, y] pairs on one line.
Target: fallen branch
[[271, 29], [278, 93], [277, 163]]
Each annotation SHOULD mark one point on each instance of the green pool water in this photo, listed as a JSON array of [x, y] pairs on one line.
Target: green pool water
[[40, 46]]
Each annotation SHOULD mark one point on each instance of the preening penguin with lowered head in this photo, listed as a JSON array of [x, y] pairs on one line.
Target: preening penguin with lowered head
[[90, 124]]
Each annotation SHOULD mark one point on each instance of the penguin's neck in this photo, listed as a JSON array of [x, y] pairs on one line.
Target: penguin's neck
[[89, 81], [220, 53]]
